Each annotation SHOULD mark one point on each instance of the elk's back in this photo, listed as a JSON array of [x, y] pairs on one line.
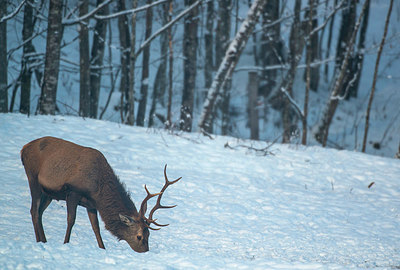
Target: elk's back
[[58, 164]]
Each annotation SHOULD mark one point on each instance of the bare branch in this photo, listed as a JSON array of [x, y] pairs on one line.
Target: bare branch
[[129, 11], [165, 27], [339, 6], [86, 16], [12, 14], [293, 102]]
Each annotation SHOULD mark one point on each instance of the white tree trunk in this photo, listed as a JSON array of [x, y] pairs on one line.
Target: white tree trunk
[[230, 60]]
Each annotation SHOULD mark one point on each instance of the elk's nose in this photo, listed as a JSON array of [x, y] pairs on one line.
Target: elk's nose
[[139, 237]]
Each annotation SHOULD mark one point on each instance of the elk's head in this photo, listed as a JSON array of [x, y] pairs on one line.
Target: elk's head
[[137, 232]]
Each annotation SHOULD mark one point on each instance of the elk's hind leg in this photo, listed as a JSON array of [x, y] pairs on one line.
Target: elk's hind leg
[[39, 204], [72, 200], [92, 213]]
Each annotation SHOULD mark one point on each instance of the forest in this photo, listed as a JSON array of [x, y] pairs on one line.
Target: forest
[[311, 72]]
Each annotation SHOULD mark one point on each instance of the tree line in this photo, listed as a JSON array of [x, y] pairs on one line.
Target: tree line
[[213, 37]]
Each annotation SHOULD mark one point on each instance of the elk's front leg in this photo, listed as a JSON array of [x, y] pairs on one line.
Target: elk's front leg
[[72, 200], [92, 213]]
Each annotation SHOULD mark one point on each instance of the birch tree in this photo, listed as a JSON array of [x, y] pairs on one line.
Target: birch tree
[[229, 62]]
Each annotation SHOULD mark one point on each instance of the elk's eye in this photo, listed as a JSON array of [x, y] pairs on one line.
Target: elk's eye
[[139, 237]]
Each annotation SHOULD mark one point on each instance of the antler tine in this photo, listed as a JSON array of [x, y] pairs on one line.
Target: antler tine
[[143, 206], [158, 204]]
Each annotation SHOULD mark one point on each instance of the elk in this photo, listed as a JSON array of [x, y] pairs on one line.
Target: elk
[[62, 170]]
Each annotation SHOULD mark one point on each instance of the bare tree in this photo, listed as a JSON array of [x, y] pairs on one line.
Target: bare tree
[[47, 103], [132, 63], [328, 49], [84, 65], [189, 66], [229, 62], [170, 69], [378, 58], [321, 135], [124, 39], [270, 49], [27, 32], [160, 82], [222, 39], [144, 88], [312, 52], [96, 59], [3, 59], [358, 59], [209, 56], [308, 71], [346, 30], [296, 45]]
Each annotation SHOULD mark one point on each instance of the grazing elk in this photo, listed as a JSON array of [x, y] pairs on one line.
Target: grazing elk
[[61, 170]]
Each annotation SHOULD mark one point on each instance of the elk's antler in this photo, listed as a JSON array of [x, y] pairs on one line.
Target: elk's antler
[[158, 205]]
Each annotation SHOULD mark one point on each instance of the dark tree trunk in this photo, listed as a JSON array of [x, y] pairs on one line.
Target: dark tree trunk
[[312, 52], [160, 83], [3, 59], [144, 88], [189, 67], [132, 63], [296, 45], [170, 69], [359, 57], [270, 49], [26, 76], [309, 49], [145, 70], [209, 60], [96, 60], [328, 47], [124, 39], [222, 42], [52, 61], [84, 65], [252, 93], [345, 33]]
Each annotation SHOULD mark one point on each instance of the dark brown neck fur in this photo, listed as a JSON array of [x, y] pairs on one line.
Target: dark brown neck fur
[[115, 200]]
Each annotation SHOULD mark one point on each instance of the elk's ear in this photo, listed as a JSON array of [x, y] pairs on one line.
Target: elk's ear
[[126, 219]]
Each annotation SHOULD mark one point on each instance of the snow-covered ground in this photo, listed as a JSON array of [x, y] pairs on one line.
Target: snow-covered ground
[[300, 208]]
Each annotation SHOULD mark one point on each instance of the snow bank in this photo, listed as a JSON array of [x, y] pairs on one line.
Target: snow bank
[[301, 208]]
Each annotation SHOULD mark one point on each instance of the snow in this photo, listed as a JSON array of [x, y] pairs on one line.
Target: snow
[[300, 208]]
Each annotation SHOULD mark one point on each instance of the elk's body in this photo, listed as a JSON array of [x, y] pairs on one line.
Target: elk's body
[[61, 170]]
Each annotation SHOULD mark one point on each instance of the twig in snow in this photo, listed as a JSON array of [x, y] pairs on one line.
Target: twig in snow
[[263, 151]]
